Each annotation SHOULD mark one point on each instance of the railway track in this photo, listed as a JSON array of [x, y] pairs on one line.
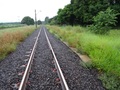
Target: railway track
[[33, 66], [30, 61]]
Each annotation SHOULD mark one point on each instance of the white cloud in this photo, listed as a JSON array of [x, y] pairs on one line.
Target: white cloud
[[15, 10]]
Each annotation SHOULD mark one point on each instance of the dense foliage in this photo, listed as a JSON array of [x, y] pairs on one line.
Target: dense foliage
[[46, 20], [104, 21], [39, 22], [81, 12], [27, 20]]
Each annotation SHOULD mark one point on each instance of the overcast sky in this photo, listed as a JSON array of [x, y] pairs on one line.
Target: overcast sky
[[15, 10]]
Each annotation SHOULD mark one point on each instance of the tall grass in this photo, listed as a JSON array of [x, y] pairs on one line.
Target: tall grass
[[9, 38], [104, 50]]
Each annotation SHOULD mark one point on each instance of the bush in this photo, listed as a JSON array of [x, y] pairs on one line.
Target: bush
[[104, 21], [27, 20]]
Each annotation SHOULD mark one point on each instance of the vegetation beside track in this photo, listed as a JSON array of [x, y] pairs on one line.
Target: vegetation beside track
[[11, 37], [104, 50]]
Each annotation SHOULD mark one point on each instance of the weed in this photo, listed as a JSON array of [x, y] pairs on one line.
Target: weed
[[10, 38], [110, 82], [104, 50]]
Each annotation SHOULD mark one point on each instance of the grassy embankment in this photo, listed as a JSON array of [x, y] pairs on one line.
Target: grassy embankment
[[11, 37], [104, 51]]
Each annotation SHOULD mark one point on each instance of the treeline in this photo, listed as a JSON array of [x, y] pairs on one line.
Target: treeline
[[10, 25], [82, 12], [30, 21]]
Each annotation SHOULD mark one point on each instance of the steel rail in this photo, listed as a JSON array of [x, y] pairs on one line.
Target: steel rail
[[28, 68], [59, 71]]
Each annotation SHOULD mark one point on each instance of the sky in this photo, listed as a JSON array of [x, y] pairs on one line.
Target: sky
[[15, 10]]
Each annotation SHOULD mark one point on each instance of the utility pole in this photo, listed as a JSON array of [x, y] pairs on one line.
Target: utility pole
[[35, 19]]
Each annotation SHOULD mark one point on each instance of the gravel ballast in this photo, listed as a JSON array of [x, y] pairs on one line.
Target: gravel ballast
[[43, 75]]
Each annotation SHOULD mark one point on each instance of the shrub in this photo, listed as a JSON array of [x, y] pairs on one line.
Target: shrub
[[104, 21], [27, 20]]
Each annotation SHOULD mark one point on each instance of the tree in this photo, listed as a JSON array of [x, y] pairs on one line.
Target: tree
[[46, 20], [66, 16], [39, 22], [81, 12], [27, 20], [104, 21], [53, 21], [85, 10]]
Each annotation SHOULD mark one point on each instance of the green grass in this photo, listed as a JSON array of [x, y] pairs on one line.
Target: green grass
[[11, 37], [8, 25], [104, 50]]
